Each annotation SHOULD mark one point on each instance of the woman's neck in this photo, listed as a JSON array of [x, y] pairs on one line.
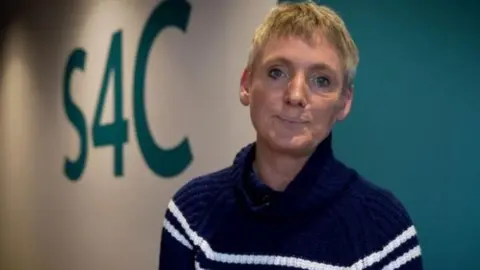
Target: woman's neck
[[276, 170]]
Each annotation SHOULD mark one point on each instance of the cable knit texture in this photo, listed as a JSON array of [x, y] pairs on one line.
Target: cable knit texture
[[329, 217]]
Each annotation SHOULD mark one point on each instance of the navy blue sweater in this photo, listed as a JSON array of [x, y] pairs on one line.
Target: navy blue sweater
[[329, 217]]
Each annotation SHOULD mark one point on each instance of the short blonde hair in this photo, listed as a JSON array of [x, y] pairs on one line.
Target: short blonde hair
[[306, 20]]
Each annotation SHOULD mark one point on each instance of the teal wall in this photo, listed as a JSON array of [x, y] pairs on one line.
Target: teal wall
[[415, 125]]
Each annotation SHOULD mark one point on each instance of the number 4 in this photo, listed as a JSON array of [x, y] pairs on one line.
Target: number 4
[[116, 133]]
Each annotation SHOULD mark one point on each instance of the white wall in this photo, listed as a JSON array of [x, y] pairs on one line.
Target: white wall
[[191, 90]]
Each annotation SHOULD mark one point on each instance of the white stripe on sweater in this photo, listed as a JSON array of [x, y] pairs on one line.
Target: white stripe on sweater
[[376, 257], [176, 234], [284, 260], [198, 267], [405, 258]]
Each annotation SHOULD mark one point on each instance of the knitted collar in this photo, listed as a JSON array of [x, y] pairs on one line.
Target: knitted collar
[[321, 179]]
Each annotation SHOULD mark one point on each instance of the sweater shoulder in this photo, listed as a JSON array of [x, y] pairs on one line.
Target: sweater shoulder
[[203, 185], [373, 201], [377, 225], [387, 224], [382, 212], [381, 204], [196, 196]]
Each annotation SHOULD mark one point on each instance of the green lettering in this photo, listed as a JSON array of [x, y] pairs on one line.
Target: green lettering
[[116, 133], [163, 162], [74, 169]]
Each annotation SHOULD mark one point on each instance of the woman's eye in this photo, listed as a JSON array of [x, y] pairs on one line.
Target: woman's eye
[[275, 73], [321, 81]]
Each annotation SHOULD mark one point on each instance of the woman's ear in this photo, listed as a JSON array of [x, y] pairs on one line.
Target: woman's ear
[[245, 87], [346, 103]]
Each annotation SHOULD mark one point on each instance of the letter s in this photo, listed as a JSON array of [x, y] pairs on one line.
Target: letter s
[[74, 169]]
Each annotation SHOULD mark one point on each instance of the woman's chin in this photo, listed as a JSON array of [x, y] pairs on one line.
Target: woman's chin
[[295, 145]]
